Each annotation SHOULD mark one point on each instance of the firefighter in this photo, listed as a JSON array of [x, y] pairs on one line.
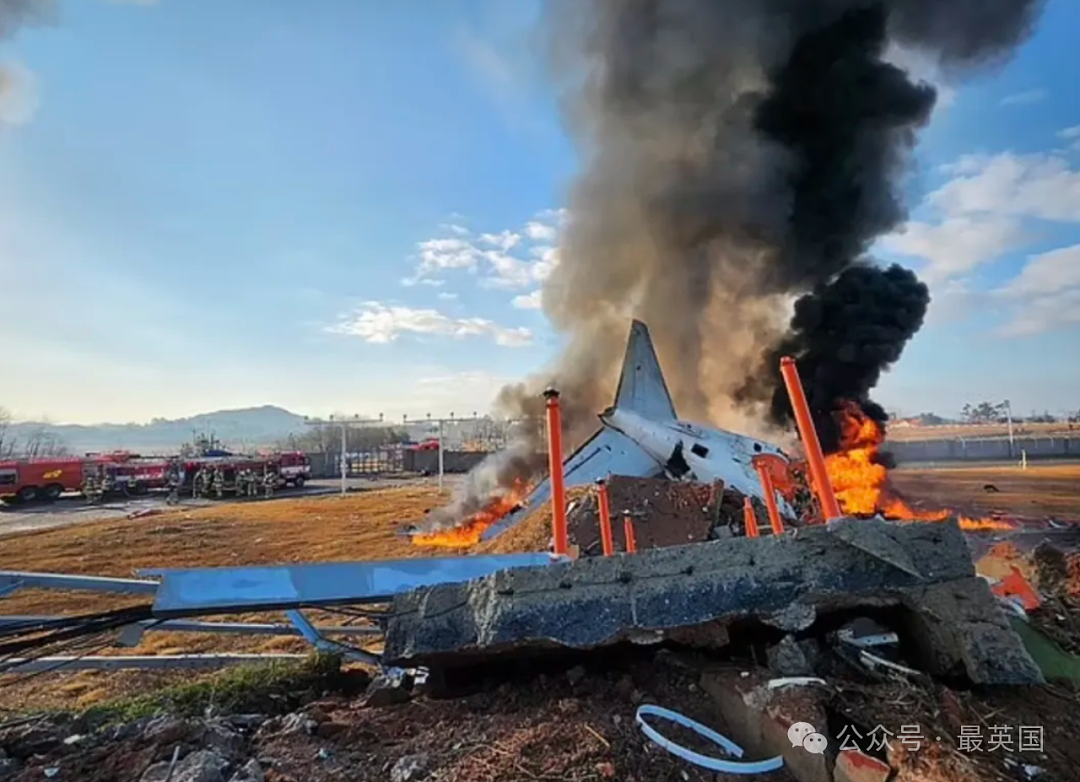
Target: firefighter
[[199, 483], [219, 482], [107, 480], [246, 483], [269, 481], [90, 487], [174, 485]]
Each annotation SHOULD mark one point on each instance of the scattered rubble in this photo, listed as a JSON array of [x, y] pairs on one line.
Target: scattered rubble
[[788, 658], [572, 718]]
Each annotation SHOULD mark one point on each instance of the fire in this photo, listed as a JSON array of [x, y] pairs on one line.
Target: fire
[[468, 532], [861, 482]]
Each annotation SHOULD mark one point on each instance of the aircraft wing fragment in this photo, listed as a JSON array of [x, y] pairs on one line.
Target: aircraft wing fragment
[[607, 453]]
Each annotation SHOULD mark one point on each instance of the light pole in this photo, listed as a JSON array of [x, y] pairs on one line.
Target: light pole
[[344, 423], [440, 454], [344, 459], [1008, 418]]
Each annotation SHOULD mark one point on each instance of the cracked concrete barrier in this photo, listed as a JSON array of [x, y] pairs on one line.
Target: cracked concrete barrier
[[784, 581]]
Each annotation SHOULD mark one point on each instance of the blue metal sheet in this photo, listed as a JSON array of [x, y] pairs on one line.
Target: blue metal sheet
[[260, 588]]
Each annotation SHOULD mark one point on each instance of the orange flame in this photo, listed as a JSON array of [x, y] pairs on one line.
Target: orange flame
[[467, 532], [861, 483]]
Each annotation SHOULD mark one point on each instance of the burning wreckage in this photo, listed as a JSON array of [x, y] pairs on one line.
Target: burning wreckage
[[699, 572], [737, 155]]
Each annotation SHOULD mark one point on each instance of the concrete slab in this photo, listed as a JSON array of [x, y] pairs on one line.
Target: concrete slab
[[605, 600]]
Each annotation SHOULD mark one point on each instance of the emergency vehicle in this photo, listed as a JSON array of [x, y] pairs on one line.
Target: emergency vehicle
[[129, 473], [26, 480], [294, 467]]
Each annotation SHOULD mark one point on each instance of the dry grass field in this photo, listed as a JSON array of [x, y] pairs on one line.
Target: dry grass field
[[358, 526], [1039, 491], [912, 433]]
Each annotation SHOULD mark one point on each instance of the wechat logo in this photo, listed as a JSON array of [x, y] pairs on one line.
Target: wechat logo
[[805, 735]]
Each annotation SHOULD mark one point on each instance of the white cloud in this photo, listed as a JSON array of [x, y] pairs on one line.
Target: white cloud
[[1047, 273], [507, 271], [559, 217], [437, 254], [504, 240], [1025, 98], [18, 94], [548, 260], [448, 296], [1044, 313], [1045, 294], [951, 301], [381, 324], [454, 228], [1072, 137], [529, 301], [408, 282], [956, 245], [984, 210], [511, 259], [541, 232], [1043, 186]]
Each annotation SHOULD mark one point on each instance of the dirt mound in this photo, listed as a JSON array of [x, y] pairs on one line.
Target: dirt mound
[[664, 513], [561, 721]]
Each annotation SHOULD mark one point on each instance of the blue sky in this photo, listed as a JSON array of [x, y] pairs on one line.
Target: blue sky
[[350, 207]]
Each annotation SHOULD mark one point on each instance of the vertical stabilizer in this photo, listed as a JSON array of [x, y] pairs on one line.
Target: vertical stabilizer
[[641, 386]]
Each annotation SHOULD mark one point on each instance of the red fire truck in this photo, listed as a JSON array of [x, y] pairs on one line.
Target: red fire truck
[[26, 480], [294, 467], [130, 473]]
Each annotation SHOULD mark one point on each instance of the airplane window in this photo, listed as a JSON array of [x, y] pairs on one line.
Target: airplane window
[[757, 446], [699, 450]]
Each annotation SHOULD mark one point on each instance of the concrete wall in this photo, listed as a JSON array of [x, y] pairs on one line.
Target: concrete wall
[[985, 449], [326, 465], [453, 461]]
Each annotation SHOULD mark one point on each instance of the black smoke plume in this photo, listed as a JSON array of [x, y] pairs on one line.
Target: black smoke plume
[[842, 336], [737, 155]]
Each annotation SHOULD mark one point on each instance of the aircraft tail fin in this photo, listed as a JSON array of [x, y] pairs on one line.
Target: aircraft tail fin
[[641, 386]]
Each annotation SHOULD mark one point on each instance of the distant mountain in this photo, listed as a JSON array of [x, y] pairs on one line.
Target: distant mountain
[[239, 429]]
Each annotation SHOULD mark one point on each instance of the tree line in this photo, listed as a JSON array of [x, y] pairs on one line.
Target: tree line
[[990, 413], [38, 442]]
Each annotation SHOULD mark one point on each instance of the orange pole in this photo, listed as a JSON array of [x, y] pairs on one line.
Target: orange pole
[[770, 498], [749, 519], [558, 489], [628, 533], [814, 456], [606, 539]]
